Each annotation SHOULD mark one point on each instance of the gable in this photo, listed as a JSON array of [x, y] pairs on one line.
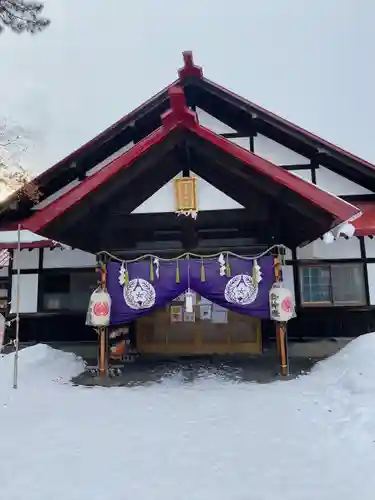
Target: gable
[[209, 198]]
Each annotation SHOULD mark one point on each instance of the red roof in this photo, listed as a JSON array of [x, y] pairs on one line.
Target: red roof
[[179, 116], [365, 224], [190, 70]]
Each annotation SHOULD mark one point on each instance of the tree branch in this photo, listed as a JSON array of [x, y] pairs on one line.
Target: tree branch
[[22, 16]]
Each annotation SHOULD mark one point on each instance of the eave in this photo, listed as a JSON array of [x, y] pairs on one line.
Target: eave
[[146, 118], [256, 170]]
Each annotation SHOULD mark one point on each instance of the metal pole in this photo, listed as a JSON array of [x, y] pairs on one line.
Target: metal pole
[[17, 345]]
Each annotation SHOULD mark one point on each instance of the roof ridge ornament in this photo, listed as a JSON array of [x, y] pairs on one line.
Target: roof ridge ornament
[[179, 111], [189, 68]]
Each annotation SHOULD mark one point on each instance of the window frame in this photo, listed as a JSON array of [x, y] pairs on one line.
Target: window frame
[[332, 303]]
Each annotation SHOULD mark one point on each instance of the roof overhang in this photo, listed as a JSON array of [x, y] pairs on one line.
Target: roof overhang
[[180, 124], [365, 224], [146, 118]]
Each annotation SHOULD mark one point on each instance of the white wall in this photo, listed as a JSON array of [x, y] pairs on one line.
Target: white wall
[[61, 257], [339, 249], [212, 123], [28, 298], [209, 198], [371, 282], [336, 184], [370, 247], [27, 259], [276, 153], [302, 174], [4, 272], [244, 142]]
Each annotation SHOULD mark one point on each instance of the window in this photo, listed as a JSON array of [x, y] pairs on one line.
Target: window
[[332, 284], [68, 291]]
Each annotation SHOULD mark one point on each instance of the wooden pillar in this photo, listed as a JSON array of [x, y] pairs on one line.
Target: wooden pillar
[[281, 328], [103, 332]]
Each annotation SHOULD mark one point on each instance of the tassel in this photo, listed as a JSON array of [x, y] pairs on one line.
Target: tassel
[[152, 274], [203, 273], [177, 272], [227, 268], [126, 277]]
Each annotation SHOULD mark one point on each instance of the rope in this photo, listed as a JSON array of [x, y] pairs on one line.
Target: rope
[[187, 255]]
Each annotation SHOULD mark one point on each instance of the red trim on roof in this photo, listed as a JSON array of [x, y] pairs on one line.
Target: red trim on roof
[[180, 115], [365, 224], [171, 120], [30, 245], [341, 209], [190, 69]]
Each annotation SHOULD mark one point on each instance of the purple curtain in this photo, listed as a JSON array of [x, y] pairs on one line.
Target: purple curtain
[[149, 286]]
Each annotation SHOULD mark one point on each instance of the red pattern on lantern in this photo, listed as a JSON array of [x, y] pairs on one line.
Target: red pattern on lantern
[[101, 309], [287, 305]]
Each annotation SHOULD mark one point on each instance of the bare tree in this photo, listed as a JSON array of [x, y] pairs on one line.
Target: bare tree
[[22, 16], [13, 176]]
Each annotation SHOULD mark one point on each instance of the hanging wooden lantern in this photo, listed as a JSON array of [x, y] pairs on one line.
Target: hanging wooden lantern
[[186, 195]]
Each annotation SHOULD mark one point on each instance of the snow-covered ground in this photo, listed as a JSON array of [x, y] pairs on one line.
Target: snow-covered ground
[[213, 439]]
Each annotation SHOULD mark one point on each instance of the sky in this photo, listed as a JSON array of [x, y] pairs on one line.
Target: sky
[[310, 62]]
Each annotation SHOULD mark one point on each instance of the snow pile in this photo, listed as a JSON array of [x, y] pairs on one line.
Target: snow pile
[[352, 368], [312, 438], [40, 364]]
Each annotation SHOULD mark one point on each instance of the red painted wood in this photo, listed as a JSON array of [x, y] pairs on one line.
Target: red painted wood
[[180, 116], [365, 225]]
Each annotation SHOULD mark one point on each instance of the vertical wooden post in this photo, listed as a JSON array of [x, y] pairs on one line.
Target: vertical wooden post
[[281, 328], [103, 332]]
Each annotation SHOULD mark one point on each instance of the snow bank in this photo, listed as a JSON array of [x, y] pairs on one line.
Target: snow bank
[[208, 440], [352, 368], [40, 363]]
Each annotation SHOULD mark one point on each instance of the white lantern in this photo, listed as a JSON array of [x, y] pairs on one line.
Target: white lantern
[[281, 303], [99, 309], [328, 238], [2, 331], [347, 230]]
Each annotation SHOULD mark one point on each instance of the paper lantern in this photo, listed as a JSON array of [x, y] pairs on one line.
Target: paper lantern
[[346, 229], [328, 238], [99, 308], [281, 303]]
